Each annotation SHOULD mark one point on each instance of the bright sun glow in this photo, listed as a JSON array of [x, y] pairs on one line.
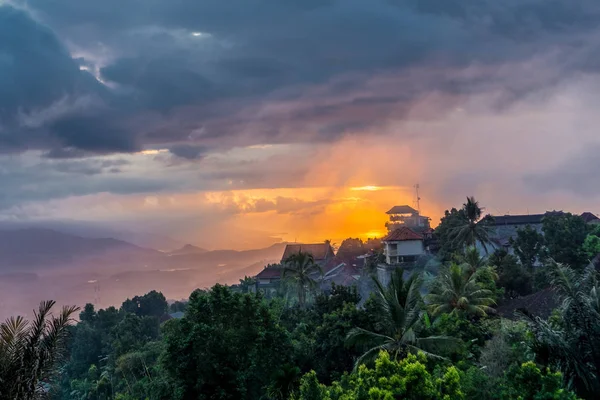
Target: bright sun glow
[[369, 188], [374, 234]]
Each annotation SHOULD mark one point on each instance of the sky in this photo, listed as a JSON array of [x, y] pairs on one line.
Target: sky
[[237, 123]]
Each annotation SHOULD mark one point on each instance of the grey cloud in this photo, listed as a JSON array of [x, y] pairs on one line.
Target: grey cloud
[[249, 51], [578, 174], [46, 101], [57, 179], [188, 152], [285, 71], [281, 205], [89, 167]]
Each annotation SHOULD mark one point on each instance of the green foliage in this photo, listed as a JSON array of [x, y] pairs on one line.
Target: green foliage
[[457, 291], [528, 246], [448, 224], [473, 333], [311, 389], [508, 346], [177, 306], [330, 336], [460, 229], [223, 346], [591, 245], [151, 304], [564, 236], [284, 382], [132, 332], [529, 382], [246, 284], [400, 305], [390, 379], [512, 276], [300, 270], [476, 384], [571, 342], [350, 248]]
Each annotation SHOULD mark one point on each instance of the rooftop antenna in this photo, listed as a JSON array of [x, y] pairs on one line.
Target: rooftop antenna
[[418, 199]]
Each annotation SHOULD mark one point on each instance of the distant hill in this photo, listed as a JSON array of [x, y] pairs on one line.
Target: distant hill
[[97, 230], [31, 248], [226, 257], [188, 249]]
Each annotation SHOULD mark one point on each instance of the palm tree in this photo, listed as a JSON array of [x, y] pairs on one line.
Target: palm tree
[[456, 291], [300, 269], [572, 342], [284, 382], [472, 260], [29, 351], [474, 228], [401, 306], [247, 283]]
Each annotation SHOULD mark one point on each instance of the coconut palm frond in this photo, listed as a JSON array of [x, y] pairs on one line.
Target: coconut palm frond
[[359, 337], [29, 350], [401, 305]]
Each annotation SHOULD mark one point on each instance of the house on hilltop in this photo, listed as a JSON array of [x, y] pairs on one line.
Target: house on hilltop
[[403, 245], [267, 280], [321, 252], [505, 226]]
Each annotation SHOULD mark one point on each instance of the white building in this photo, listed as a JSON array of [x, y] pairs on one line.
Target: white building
[[402, 245]]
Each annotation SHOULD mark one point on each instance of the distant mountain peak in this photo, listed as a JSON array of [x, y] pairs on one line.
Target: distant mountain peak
[[188, 249]]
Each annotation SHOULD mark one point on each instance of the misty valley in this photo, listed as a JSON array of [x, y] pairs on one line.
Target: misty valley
[[38, 264]]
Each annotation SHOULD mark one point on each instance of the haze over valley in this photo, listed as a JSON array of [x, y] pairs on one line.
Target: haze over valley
[[38, 264]]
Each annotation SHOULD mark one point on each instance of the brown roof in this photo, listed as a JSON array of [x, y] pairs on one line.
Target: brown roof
[[402, 210], [269, 273], [588, 216], [401, 234], [539, 304], [319, 251]]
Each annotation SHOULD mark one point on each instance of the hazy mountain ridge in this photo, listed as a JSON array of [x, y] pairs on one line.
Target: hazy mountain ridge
[[188, 249], [35, 247], [99, 230]]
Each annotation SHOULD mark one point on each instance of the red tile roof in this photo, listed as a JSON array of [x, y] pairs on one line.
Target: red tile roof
[[320, 251], [401, 234]]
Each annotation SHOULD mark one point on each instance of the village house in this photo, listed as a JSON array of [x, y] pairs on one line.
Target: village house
[[403, 245], [506, 226], [321, 252], [267, 281]]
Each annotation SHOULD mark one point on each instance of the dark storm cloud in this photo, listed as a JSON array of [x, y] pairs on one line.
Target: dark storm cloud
[[46, 101], [217, 58]]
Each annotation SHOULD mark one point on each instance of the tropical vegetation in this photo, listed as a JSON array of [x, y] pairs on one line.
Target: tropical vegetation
[[422, 332]]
